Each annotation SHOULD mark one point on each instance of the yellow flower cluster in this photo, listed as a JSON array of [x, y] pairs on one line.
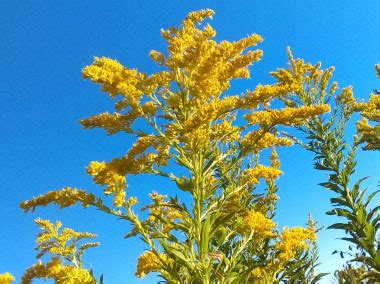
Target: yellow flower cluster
[[286, 116], [161, 210], [258, 273], [258, 223], [6, 278], [115, 78], [294, 240], [261, 171], [204, 114], [197, 140], [346, 98], [257, 140], [263, 94], [63, 243], [370, 111], [112, 123], [225, 131], [209, 66], [104, 174], [63, 198], [62, 274], [112, 174], [151, 262], [370, 134], [142, 144]]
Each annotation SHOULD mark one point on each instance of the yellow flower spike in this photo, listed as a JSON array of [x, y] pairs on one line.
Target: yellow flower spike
[[141, 145], [260, 171], [63, 198], [251, 40], [6, 278], [273, 158], [63, 243], [293, 240], [377, 68], [146, 263], [258, 223], [263, 94], [115, 78], [257, 140], [286, 116], [61, 274], [150, 262], [370, 134], [157, 56], [198, 16]]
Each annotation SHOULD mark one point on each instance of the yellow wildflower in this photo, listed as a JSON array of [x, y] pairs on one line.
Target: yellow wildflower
[[198, 16], [6, 278], [225, 132], [369, 134], [294, 240], [106, 174], [260, 171], [197, 140], [61, 274], [370, 111], [60, 243], [63, 198], [141, 145], [286, 116], [263, 94], [149, 262], [258, 223], [258, 140]]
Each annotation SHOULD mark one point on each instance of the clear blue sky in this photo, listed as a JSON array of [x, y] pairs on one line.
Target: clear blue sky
[[45, 44]]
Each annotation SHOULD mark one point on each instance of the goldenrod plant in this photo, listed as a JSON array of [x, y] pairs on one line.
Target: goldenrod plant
[[225, 146], [350, 274], [65, 264], [6, 278], [370, 112], [325, 137]]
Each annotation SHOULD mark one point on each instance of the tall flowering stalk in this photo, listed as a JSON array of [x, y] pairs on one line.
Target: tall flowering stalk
[[225, 146], [65, 265], [326, 138]]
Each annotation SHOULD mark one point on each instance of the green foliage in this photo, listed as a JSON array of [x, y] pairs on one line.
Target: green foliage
[[325, 137]]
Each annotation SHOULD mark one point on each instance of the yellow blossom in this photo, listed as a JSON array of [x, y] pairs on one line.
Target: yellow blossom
[[115, 78], [6, 278], [61, 274], [260, 171], [369, 134], [257, 140], [263, 94], [258, 223], [63, 198], [150, 262], [286, 116], [60, 243], [294, 240]]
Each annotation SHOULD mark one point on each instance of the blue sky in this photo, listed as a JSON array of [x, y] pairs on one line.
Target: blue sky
[[45, 44]]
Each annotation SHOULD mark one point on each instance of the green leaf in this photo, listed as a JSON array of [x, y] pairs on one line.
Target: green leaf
[[184, 184], [332, 186], [339, 201], [205, 235], [373, 212], [370, 197], [101, 279], [341, 226], [318, 277]]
